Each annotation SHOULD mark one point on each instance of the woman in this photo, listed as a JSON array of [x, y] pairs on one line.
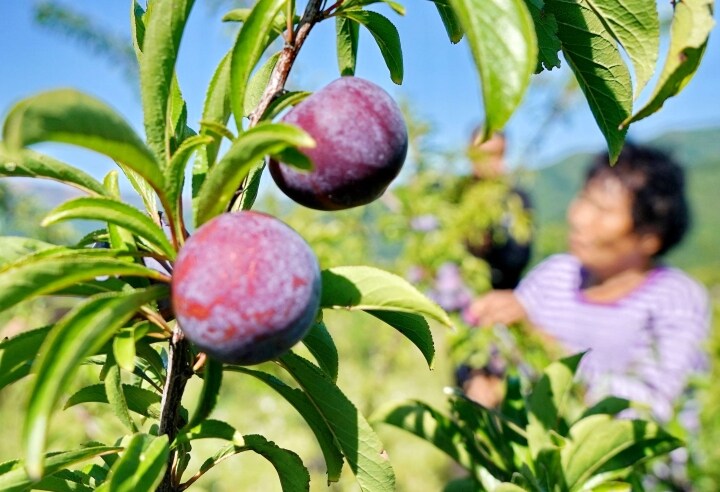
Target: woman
[[643, 323]]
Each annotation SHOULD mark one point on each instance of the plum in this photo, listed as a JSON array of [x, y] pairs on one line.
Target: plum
[[245, 287], [361, 143]]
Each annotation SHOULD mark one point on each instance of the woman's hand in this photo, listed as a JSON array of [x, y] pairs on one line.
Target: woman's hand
[[498, 306]]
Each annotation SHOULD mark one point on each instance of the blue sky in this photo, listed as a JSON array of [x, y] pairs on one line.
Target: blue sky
[[440, 80]]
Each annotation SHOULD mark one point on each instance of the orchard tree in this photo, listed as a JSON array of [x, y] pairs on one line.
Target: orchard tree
[[245, 287]]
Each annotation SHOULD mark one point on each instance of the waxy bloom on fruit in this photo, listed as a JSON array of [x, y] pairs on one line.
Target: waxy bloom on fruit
[[361, 143], [245, 287]]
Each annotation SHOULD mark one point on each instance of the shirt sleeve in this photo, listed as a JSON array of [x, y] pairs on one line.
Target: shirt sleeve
[[549, 276]]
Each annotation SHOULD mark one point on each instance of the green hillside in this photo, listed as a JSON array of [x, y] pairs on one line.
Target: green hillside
[[699, 150]]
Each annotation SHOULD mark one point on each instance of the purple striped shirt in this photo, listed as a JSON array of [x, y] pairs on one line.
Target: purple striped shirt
[[642, 347]]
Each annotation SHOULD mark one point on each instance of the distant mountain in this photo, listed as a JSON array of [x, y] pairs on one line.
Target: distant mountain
[[553, 187]]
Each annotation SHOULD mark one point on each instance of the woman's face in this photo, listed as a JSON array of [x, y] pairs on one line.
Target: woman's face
[[601, 232]]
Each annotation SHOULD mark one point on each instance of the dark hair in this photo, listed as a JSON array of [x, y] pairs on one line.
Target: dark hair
[[656, 183]]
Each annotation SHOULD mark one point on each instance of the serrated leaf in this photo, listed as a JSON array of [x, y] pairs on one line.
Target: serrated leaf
[[38, 275], [18, 480], [69, 116], [430, 425], [315, 420], [113, 212], [116, 396], [211, 429], [548, 401], [452, 26], [124, 348], [371, 289], [386, 36], [212, 380], [546, 28], [28, 164], [139, 400], [594, 58], [594, 441], [322, 347], [504, 45], [414, 328], [226, 176], [360, 445], [79, 334], [293, 475], [691, 26], [164, 26], [249, 47], [347, 33], [18, 353], [636, 26], [141, 466], [257, 84]]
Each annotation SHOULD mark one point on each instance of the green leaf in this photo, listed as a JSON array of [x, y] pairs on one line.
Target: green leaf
[[18, 480], [347, 37], [249, 47], [116, 396], [546, 28], [360, 445], [175, 174], [226, 176], [212, 380], [38, 275], [284, 101], [163, 31], [594, 442], [257, 84], [13, 248], [113, 212], [141, 466], [79, 334], [610, 405], [216, 111], [452, 26], [28, 164], [249, 194], [139, 400], [547, 403], [386, 36], [18, 353], [309, 411], [321, 345], [69, 116], [430, 425], [594, 58], [211, 429], [124, 348], [415, 329], [691, 26], [504, 45], [293, 475], [636, 26], [65, 481], [371, 289]]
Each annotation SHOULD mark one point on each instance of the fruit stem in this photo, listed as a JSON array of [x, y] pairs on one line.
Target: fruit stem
[[179, 371]]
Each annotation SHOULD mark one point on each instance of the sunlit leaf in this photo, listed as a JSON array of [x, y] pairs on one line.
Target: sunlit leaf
[[114, 212], [211, 429], [141, 466], [163, 31], [413, 327], [504, 45], [257, 84], [347, 34], [594, 57], [360, 445], [79, 334], [546, 27], [322, 347], [371, 289], [225, 177], [18, 353], [69, 116], [386, 36], [691, 26], [28, 164]]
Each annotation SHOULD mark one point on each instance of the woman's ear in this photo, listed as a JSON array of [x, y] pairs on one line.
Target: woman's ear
[[650, 243]]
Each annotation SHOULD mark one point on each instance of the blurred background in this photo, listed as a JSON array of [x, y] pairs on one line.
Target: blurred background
[[86, 45]]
